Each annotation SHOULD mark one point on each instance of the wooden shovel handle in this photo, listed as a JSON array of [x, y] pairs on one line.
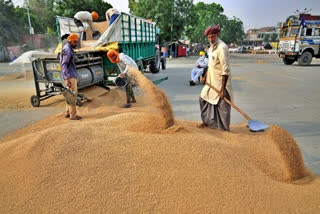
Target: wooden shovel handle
[[230, 103]]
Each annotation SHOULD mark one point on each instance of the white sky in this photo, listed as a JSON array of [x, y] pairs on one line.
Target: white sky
[[253, 13]]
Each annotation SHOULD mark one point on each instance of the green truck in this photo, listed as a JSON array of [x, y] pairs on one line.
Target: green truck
[[137, 38]]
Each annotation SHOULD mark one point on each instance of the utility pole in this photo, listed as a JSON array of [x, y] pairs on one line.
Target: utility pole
[[31, 31], [170, 51]]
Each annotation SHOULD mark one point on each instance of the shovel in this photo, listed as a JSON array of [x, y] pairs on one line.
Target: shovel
[[254, 125], [69, 95]]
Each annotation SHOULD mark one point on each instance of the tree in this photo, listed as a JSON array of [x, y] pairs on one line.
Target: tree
[[69, 8], [133, 5], [266, 38], [42, 15], [206, 15], [12, 28], [274, 37], [232, 31], [171, 16]]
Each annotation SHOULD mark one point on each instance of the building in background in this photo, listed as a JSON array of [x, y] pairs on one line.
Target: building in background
[[256, 37]]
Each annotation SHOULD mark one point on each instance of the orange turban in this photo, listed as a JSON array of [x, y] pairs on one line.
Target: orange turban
[[214, 29], [73, 37], [113, 56], [94, 15]]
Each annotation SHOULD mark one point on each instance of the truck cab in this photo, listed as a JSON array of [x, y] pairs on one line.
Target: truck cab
[[300, 39]]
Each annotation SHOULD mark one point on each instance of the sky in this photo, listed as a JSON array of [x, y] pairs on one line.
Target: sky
[[253, 13], [264, 13]]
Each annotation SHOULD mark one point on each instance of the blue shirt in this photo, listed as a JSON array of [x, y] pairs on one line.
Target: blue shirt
[[68, 66]]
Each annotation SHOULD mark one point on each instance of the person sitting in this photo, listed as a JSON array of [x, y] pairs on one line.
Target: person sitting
[[111, 15], [124, 62], [85, 16], [200, 65]]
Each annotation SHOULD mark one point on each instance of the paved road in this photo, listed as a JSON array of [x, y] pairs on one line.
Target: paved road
[[264, 88], [267, 90]]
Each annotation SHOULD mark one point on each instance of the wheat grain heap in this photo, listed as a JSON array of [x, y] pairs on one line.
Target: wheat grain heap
[[141, 160]]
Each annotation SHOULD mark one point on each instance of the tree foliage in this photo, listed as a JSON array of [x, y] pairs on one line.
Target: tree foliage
[[14, 20], [205, 15], [69, 8], [171, 16], [232, 31], [266, 38], [11, 25], [274, 37]]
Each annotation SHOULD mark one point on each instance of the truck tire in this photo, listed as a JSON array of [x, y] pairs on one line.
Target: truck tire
[[140, 65], [163, 63], [305, 58], [288, 61], [155, 63]]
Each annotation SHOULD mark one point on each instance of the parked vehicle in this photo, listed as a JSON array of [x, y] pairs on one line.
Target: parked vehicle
[[300, 39]]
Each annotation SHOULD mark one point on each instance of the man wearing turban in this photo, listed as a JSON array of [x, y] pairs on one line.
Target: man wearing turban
[[124, 63], [69, 74], [215, 112]]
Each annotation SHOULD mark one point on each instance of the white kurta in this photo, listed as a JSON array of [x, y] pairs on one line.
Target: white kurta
[[196, 72], [217, 67], [125, 62], [84, 16]]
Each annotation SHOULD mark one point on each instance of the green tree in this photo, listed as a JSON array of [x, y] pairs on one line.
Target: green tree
[[12, 28], [274, 37], [232, 31], [266, 38], [133, 5], [205, 15], [42, 15], [171, 16], [69, 8]]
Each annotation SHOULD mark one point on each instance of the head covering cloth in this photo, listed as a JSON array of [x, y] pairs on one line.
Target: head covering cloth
[[214, 29]]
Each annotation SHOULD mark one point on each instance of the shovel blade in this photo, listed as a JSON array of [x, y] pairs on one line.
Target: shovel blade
[[70, 98], [257, 126]]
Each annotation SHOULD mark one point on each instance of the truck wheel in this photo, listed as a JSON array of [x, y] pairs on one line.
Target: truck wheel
[[163, 63], [35, 101], [305, 58], [288, 61], [140, 65], [155, 63]]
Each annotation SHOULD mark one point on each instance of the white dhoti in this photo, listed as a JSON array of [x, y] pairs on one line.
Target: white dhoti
[[195, 74]]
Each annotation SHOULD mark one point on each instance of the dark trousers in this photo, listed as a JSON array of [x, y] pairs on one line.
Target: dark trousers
[[129, 93]]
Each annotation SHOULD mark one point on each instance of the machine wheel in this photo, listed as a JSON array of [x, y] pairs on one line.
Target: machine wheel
[[140, 65], [288, 61], [79, 103], [155, 63], [305, 58], [35, 101], [163, 63]]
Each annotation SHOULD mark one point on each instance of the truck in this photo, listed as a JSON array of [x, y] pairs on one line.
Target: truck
[[137, 38], [300, 39]]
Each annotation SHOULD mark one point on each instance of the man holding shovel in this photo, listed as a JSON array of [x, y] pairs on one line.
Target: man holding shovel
[[68, 69], [215, 111]]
